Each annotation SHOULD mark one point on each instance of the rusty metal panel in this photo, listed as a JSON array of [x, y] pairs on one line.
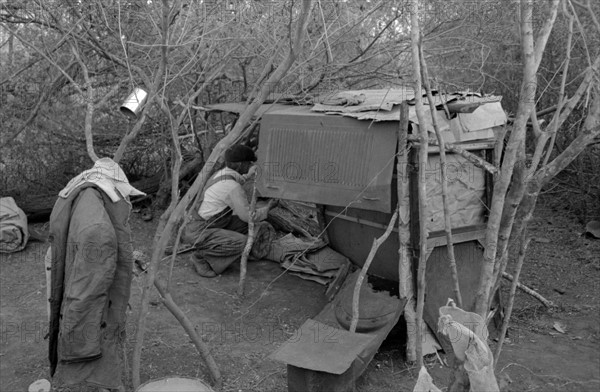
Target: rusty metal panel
[[323, 159]]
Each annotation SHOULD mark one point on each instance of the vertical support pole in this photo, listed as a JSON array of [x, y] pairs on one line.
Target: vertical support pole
[[405, 272]]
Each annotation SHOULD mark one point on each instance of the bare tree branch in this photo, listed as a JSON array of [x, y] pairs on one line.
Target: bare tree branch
[[89, 100]]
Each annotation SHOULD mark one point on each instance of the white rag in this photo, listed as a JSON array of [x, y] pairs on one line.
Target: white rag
[[108, 176]]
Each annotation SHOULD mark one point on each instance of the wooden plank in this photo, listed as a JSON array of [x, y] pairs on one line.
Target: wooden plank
[[459, 235]]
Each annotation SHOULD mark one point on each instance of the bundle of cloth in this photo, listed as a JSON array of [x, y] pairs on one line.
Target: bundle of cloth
[[13, 226], [468, 335], [307, 258]]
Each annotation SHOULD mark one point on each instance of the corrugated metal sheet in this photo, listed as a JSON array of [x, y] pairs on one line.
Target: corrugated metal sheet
[[324, 159]]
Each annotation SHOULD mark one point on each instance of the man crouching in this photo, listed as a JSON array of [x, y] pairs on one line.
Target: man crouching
[[218, 228]]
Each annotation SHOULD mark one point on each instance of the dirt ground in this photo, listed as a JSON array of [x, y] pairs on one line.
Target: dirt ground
[[561, 264]]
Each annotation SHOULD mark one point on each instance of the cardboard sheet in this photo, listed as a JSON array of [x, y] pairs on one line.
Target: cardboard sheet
[[466, 188], [317, 346]]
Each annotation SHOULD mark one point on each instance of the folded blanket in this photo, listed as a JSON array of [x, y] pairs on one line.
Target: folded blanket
[[13, 226], [308, 257]]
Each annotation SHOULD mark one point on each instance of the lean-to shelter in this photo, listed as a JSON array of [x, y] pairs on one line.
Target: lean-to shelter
[[339, 154]]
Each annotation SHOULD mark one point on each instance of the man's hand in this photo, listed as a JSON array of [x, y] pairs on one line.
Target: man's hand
[[251, 172]]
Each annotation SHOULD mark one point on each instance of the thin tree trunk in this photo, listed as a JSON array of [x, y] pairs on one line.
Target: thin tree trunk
[[513, 199], [166, 216], [363, 272], [591, 130], [513, 289], [522, 190], [249, 243], [137, 127], [174, 214], [188, 326], [405, 272], [89, 102], [422, 185], [531, 57], [561, 94], [444, 173]]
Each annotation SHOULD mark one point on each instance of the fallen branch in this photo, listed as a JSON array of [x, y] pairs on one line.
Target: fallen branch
[[529, 291], [249, 243], [363, 272]]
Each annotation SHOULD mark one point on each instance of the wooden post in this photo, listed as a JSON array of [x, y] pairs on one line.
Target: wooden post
[[422, 184], [405, 272]]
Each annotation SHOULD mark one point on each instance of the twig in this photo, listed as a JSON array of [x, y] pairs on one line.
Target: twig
[[249, 243], [513, 289], [363, 272], [529, 290]]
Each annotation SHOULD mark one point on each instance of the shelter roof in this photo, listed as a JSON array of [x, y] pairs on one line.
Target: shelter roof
[[459, 111]]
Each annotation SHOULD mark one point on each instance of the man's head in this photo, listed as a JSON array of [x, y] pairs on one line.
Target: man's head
[[240, 158]]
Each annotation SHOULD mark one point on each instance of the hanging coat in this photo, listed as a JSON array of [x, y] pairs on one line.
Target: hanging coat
[[90, 286]]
